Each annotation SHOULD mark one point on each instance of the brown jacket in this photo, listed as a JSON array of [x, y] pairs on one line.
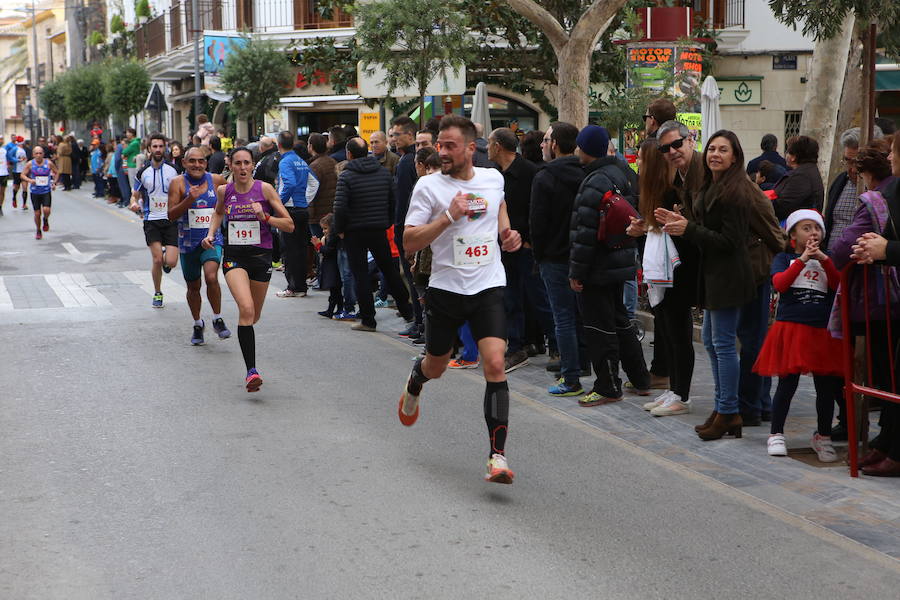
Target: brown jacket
[[325, 169], [766, 237], [389, 161], [64, 158]]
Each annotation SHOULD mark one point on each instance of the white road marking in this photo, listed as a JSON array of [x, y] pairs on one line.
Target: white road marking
[[62, 291], [172, 292], [92, 293], [5, 300], [76, 254]]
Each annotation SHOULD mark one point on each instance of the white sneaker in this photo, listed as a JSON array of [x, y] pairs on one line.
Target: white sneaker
[[672, 406], [824, 449], [659, 401], [776, 445], [498, 470]]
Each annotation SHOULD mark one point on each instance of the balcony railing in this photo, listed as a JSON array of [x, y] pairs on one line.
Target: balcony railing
[[175, 26], [728, 13], [725, 13]]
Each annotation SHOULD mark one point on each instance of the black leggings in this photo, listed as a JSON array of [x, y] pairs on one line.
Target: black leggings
[[673, 336], [828, 388]]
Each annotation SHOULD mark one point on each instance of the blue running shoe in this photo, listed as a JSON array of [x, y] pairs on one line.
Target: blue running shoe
[[219, 326], [158, 300], [381, 303], [564, 389], [197, 338]]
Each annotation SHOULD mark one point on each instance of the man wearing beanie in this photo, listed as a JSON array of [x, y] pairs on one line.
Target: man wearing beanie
[[598, 274]]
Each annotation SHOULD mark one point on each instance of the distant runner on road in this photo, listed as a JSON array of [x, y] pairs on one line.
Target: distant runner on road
[[43, 176], [251, 209], [192, 200], [152, 185]]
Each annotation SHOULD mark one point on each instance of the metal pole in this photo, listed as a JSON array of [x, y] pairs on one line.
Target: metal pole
[[870, 88], [195, 20], [35, 79]]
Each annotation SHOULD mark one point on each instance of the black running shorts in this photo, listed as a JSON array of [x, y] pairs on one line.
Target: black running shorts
[[39, 200], [446, 312], [17, 178], [257, 264], [161, 230], [3, 180]]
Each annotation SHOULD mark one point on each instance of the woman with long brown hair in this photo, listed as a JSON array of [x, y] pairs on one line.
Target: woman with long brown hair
[[673, 319], [720, 225]]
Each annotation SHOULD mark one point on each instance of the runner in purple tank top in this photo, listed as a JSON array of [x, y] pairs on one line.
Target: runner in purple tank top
[[249, 209]]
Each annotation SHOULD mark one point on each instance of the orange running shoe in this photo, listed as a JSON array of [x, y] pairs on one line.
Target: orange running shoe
[[411, 404], [498, 471], [459, 363]]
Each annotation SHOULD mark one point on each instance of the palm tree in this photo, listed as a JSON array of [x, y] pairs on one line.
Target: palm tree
[[12, 66]]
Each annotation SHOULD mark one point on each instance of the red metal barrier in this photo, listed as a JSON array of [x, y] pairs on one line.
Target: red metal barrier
[[852, 387]]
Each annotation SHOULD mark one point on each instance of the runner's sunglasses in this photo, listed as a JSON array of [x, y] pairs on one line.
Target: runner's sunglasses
[[672, 146]]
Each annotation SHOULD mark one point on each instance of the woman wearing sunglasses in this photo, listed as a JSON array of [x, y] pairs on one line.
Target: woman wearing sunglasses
[[719, 226]]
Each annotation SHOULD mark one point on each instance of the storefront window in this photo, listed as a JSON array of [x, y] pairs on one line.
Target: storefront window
[[505, 112]]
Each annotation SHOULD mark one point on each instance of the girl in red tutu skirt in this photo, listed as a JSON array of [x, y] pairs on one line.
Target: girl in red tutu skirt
[[799, 342]]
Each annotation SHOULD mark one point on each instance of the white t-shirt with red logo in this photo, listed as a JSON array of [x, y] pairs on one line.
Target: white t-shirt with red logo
[[466, 256]]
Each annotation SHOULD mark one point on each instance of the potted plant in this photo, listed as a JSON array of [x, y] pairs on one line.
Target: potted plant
[[142, 11], [116, 26], [96, 39]]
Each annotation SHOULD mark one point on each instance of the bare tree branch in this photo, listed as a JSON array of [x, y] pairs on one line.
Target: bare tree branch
[[595, 20], [546, 22]]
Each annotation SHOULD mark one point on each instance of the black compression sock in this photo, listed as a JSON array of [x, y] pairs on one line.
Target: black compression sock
[[496, 414], [416, 379], [247, 340]]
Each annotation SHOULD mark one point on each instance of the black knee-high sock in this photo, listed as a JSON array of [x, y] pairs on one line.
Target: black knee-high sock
[[496, 414], [416, 379], [247, 340]]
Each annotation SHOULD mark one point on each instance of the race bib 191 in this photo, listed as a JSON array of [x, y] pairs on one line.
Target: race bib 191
[[243, 233], [42, 180], [200, 218], [474, 250]]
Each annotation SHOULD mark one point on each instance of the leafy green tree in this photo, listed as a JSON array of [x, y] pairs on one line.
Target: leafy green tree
[[413, 41], [52, 99], [256, 76], [83, 93], [125, 87]]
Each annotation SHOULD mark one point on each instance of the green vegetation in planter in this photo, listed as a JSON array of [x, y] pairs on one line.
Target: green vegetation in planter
[[116, 24], [96, 38], [142, 8]]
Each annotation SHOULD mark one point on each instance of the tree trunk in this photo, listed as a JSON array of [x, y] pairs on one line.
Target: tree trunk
[[573, 74], [823, 92], [421, 109], [573, 49], [851, 102]]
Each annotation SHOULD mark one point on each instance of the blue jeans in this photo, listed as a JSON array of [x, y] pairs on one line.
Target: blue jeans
[[522, 287], [720, 339], [349, 284], [630, 297], [124, 188], [564, 304], [753, 322], [470, 347], [99, 185]]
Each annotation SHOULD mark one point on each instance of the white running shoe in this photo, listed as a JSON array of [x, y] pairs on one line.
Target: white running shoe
[[498, 470], [659, 401], [776, 445], [672, 406], [824, 449]]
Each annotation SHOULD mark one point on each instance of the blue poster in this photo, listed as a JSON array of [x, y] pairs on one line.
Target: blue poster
[[217, 49]]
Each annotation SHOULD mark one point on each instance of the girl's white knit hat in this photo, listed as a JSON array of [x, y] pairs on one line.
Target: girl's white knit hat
[[801, 215]]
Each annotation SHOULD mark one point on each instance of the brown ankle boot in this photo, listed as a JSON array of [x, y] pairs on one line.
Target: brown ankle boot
[[707, 423], [722, 425]]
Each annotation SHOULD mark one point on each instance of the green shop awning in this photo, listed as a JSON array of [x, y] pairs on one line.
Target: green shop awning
[[887, 81]]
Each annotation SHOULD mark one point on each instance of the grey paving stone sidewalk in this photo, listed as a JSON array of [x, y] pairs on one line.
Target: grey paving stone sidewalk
[[866, 510]]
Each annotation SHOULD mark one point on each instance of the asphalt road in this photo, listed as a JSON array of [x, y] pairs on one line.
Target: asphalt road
[[133, 465]]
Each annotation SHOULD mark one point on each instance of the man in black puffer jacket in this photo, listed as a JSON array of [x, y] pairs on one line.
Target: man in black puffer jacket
[[363, 212], [598, 273]]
